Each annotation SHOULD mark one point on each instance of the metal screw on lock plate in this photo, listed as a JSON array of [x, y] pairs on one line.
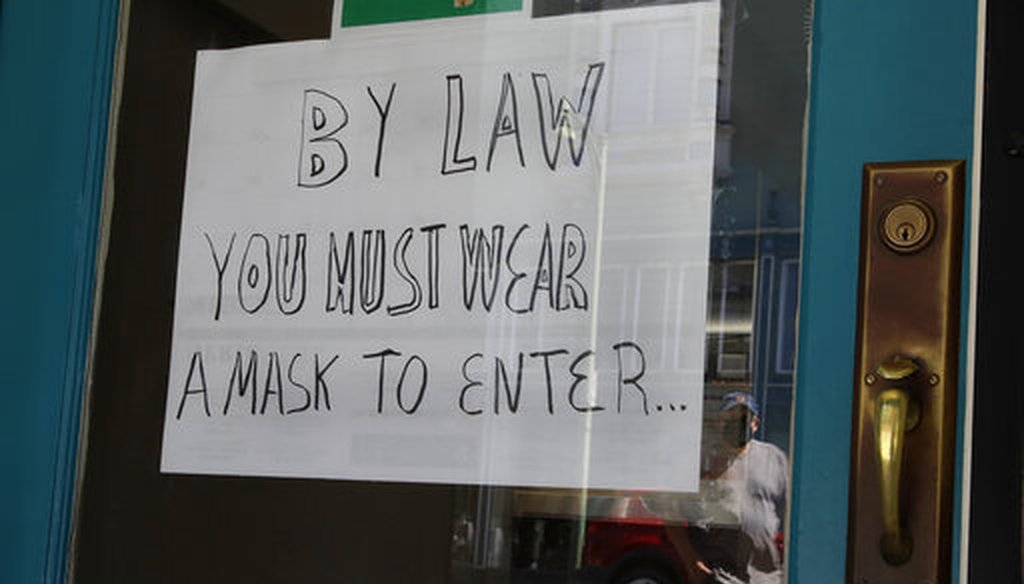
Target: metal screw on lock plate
[[907, 226]]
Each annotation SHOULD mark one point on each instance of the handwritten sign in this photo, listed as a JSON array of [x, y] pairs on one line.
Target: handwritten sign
[[477, 259]]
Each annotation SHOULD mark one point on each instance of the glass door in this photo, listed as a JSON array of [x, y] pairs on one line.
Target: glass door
[[791, 122]]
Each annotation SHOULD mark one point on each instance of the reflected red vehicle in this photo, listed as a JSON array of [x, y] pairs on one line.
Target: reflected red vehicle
[[631, 551], [623, 543], [627, 545]]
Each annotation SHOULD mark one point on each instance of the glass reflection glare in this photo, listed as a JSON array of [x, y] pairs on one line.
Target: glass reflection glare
[[732, 529]]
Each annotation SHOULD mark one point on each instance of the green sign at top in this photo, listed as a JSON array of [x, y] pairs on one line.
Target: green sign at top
[[361, 12]]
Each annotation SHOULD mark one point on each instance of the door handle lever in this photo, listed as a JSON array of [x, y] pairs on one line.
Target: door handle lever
[[895, 415]]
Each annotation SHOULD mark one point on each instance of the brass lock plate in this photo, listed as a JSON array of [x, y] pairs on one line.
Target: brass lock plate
[[909, 301]]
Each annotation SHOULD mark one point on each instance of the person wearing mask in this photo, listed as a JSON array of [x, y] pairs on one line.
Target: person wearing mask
[[727, 533]]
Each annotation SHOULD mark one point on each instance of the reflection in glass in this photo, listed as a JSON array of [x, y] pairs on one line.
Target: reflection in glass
[[732, 529]]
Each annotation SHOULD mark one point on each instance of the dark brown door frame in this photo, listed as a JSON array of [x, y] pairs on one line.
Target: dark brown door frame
[[998, 437]]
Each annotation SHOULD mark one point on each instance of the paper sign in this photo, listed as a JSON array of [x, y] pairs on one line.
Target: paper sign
[[476, 259]]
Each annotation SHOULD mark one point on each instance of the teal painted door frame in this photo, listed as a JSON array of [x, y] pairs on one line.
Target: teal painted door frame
[[56, 59], [890, 81]]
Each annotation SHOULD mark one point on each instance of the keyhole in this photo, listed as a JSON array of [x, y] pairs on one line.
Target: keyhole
[[906, 232]]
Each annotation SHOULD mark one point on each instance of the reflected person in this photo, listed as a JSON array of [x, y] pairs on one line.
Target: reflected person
[[730, 529]]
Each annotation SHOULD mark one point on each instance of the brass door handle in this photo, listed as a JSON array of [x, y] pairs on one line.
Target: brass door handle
[[895, 415], [903, 448]]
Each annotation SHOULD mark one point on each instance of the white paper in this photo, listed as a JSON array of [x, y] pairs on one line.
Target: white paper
[[626, 211]]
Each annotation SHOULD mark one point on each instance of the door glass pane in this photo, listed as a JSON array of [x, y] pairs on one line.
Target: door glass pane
[[727, 526]]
